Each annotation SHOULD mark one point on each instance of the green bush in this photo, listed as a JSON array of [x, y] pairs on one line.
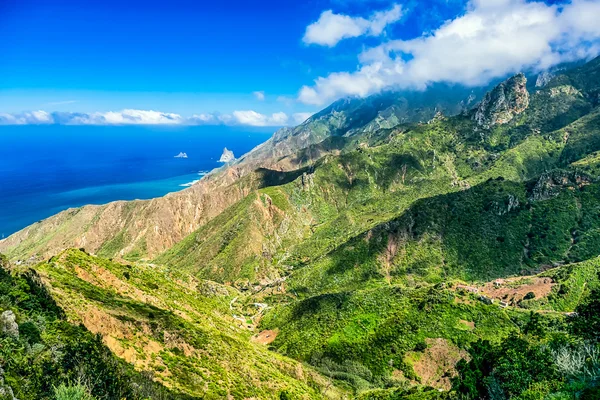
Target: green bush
[[77, 391], [587, 321]]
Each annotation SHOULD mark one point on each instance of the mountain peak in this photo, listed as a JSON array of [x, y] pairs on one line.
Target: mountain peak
[[503, 103]]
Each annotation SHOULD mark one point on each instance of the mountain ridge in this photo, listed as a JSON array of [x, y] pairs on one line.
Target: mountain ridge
[[375, 258], [192, 204]]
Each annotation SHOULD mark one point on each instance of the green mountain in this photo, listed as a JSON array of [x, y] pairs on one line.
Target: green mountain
[[402, 246]]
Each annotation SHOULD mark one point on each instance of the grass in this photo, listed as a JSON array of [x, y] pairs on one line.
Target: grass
[[162, 324]]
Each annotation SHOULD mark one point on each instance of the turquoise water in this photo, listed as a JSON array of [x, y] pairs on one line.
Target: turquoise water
[[47, 169]]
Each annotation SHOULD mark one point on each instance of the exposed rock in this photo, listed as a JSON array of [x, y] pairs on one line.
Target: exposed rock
[[6, 391], [549, 184], [8, 324], [567, 90], [227, 156], [511, 203], [437, 363], [307, 181], [503, 103], [543, 79], [439, 116]]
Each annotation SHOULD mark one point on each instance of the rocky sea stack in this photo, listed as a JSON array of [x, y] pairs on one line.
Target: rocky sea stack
[[227, 156]]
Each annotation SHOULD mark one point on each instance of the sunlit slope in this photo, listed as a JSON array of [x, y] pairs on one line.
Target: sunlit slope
[[185, 331]]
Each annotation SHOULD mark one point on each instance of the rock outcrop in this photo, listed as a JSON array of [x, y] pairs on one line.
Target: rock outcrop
[[503, 103], [227, 156], [543, 79], [8, 324], [551, 184]]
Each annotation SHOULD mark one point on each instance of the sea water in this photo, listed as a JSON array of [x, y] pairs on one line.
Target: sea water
[[45, 169]]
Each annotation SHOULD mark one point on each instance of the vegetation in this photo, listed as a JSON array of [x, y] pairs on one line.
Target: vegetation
[[41, 353], [382, 256], [542, 361]]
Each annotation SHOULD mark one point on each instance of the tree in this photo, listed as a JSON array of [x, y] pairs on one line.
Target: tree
[[587, 320]]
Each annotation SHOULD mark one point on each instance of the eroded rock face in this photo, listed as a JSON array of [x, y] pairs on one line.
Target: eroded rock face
[[549, 184], [501, 105]]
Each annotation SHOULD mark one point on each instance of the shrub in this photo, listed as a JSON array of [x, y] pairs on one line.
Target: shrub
[[72, 392], [30, 332], [421, 346], [587, 322], [529, 296]]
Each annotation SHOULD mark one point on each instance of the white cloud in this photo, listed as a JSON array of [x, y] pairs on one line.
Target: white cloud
[[137, 117], [204, 119], [301, 117], [260, 95], [492, 39], [254, 118], [144, 117], [27, 118], [331, 28]]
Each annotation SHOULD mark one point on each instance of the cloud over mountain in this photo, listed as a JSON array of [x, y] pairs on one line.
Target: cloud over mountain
[[491, 39]]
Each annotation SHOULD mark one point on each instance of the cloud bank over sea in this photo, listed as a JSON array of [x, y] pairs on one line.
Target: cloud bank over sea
[[151, 117]]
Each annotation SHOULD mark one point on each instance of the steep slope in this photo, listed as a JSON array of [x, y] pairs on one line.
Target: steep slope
[[136, 229], [376, 177], [143, 229], [354, 116], [184, 331], [402, 337], [41, 350], [360, 257], [377, 249]]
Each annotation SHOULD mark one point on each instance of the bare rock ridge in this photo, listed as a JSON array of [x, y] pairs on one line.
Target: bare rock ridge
[[503, 103], [145, 229], [126, 228]]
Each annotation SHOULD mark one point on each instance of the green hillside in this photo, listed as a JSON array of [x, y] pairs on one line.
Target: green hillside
[[378, 251]]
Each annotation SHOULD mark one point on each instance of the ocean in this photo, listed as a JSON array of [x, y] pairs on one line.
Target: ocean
[[45, 169]]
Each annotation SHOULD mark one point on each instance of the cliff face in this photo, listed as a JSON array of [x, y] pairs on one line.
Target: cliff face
[[503, 103]]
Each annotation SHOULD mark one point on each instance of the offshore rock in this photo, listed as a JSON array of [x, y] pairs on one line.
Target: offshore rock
[[227, 156]]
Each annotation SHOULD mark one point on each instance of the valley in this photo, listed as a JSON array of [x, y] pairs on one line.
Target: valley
[[401, 246]]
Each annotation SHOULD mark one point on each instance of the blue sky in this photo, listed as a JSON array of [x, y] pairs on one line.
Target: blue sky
[[265, 58]]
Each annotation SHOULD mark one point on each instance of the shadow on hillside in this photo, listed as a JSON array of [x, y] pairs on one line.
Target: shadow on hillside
[[270, 177], [488, 231], [315, 152]]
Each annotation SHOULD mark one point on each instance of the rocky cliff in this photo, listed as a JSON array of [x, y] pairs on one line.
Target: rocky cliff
[[501, 105]]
